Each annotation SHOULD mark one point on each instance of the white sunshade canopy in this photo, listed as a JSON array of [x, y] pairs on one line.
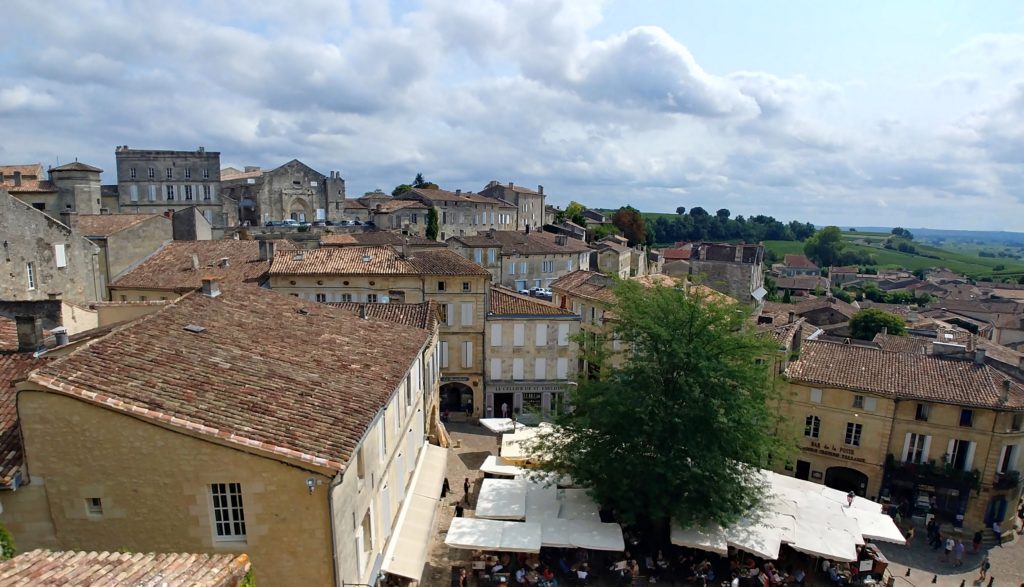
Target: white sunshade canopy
[[597, 536], [502, 499], [406, 552], [500, 467], [480, 534], [541, 502], [577, 505], [709, 539], [499, 425]]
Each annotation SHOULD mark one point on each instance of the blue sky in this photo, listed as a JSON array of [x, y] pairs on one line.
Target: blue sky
[[908, 113]]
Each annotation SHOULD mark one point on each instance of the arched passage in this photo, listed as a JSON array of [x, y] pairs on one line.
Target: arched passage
[[846, 479], [299, 209], [455, 397]]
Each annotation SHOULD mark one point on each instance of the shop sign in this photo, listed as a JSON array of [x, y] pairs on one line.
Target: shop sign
[[831, 450]]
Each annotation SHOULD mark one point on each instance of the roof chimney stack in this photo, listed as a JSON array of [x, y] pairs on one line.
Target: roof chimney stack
[[267, 250], [792, 317], [405, 248], [61, 335], [540, 190], [511, 185], [1006, 391], [211, 287], [458, 192], [979, 356], [362, 311], [224, 262], [195, 262], [885, 330], [30, 333], [17, 179]]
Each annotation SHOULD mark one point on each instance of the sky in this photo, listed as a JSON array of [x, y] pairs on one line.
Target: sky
[[864, 113]]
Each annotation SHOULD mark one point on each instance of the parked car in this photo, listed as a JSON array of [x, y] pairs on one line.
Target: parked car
[[345, 223], [524, 292], [357, 223], [271, 223], [289, 222], [540, 292], [319, 223]]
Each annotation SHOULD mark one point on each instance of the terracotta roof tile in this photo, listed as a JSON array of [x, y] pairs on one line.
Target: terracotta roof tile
[[586, 284], [269, 372], [13, 367], [807, 282], [904, 375], [446, 196], [117, 569], [513, 242], [800, 261], [170, 268], [107, 224], [505, 302], [380, 260], [423, 315], [395, 205], [76, 166], [374, 238]]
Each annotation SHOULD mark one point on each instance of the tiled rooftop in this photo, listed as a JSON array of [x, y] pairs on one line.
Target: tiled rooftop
[[107, 224], [800, 261], [513, 242], [423, 315], [33, 179], [380, 260], [446, 196], [904, 375], [374, 238], [170, 268], [272, 373], [117, 569], [77, 166], [506, 302], [586, 284]]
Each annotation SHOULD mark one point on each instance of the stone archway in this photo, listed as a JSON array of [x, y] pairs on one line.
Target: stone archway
[[456, 396], [300, 209], [846, 479]]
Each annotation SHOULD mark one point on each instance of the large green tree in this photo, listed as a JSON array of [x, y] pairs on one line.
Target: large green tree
[[432, 223], [631, 223], [574, 213], [825, 246], [866, 323], [677, 429]]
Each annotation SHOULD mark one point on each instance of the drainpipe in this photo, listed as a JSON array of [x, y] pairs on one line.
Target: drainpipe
[[334, 533]]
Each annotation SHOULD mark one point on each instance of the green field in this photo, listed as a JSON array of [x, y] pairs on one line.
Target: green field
[[959, 261]]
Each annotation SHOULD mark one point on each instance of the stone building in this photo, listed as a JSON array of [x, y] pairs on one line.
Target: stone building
[[154, 181], [613, 257], [211, 439], [124, 240], [74, 187], [529, 204], [798, 266], [908, 426], [464, 214], [521, 260], [292, 191], [405, 216], [737, 270], [43, 259], [385, 274], [531, 355]]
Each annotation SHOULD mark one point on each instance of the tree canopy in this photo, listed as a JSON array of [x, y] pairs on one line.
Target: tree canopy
[[866, 323], [432, 223], [418, 182], [680, 210], [824, 247], [675, 430], [901, 232], [629, 221], [699, 225], [574, 213]]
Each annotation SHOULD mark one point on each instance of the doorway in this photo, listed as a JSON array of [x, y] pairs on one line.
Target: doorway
[[846, 479], [506, 400], [803, 470]]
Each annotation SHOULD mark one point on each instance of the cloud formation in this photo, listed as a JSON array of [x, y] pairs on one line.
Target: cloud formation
[[522, 91]]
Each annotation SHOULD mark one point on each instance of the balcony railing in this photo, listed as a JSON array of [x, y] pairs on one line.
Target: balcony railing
[[1007, 480], [932, 473]]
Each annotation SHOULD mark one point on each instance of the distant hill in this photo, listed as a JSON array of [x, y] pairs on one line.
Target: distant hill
[[976, 236]]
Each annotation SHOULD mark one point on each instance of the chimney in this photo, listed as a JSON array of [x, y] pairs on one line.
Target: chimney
[[251, 168], [30, 333], [211, 287], [61, 335], [362, 311], [490, 233], [17, 179], [792, 317], [266, 250], [195, 262], [979, 356], [458, 192], [1006, 391], [405, 248], [224, 262], [511, 185], [540, 190], [885, 330]]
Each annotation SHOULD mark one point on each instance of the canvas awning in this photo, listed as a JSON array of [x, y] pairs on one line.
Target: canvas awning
[[500, 425], [709, 539], [577, 505], [406, 552], [541, 502], [480, 534], [500, 467], [597, 536], [502, 499]]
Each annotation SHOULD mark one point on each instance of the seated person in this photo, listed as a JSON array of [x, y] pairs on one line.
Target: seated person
[[497, 568], [834, 576], [521, 576], [583, 572]]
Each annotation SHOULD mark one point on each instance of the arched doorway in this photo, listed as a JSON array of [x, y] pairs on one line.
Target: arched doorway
[[996, 510], [299, 209], [247, 212], [846, 479], [456, 397]]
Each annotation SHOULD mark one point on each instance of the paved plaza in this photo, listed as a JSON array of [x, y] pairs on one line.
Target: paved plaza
[[475, 443]]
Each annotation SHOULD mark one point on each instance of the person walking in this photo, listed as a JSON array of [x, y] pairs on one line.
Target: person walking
[[465, 488], [459, 510], [947, 549], [977, 541], [910, 535], [958, 553], [445, 488], [985, 566], [998, 531]]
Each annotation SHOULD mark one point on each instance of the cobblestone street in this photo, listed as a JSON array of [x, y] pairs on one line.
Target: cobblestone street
[[475, 443]]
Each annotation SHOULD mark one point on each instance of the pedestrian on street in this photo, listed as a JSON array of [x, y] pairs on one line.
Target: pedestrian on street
[[910, 535], [947, 550], [998, 531], [459, 510], [977, 541], [985, 566], [445, 488], [465, 488], [958, 553]]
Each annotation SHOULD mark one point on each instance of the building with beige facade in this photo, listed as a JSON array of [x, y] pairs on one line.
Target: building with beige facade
[[73, 187], [521, 260], [613, 256], [293, 190], [464, 213], [908, 427], [529, 203], [150, 180], [191, 430], [124, 240], [530, 349], [386, 274]]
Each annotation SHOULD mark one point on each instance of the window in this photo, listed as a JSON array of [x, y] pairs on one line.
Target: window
[[321, 297], [94, 506], [31, 275], [520, 284], [39, 205], [59, 257], [522, 267], [228, 513], [467, 314], [449, 314], [495, 334], [170, 192], [440, 286], [152, 193], [466, 287], [562, 368], [542, 335], [540, 369], [966, 417], [467, 354], [1008, 460], [188, 192], [915, 448], [188, 173], [568, 264], [816, 396], [547, 266], [517, 369], [364, 540], [563, 335], [870, 404], [922, 412], [382, 437], [415, 218], [170, 173], [371, 298], [1016, 422], [346, 297], [960, 454], [511, 267], [478, 256], [444, 355], [206, 192], [131, 173], [853, 434], [858, 402], [495, 369], [206, 173], [133, 193], [152, 173], [518, 334], [492, 254], [812, 426]]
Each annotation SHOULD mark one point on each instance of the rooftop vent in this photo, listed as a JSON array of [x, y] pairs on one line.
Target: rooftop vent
[[298, 256], [224, 262], [194, 328], [61, 334], [211, 287], [366, 258], [195, 262]]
